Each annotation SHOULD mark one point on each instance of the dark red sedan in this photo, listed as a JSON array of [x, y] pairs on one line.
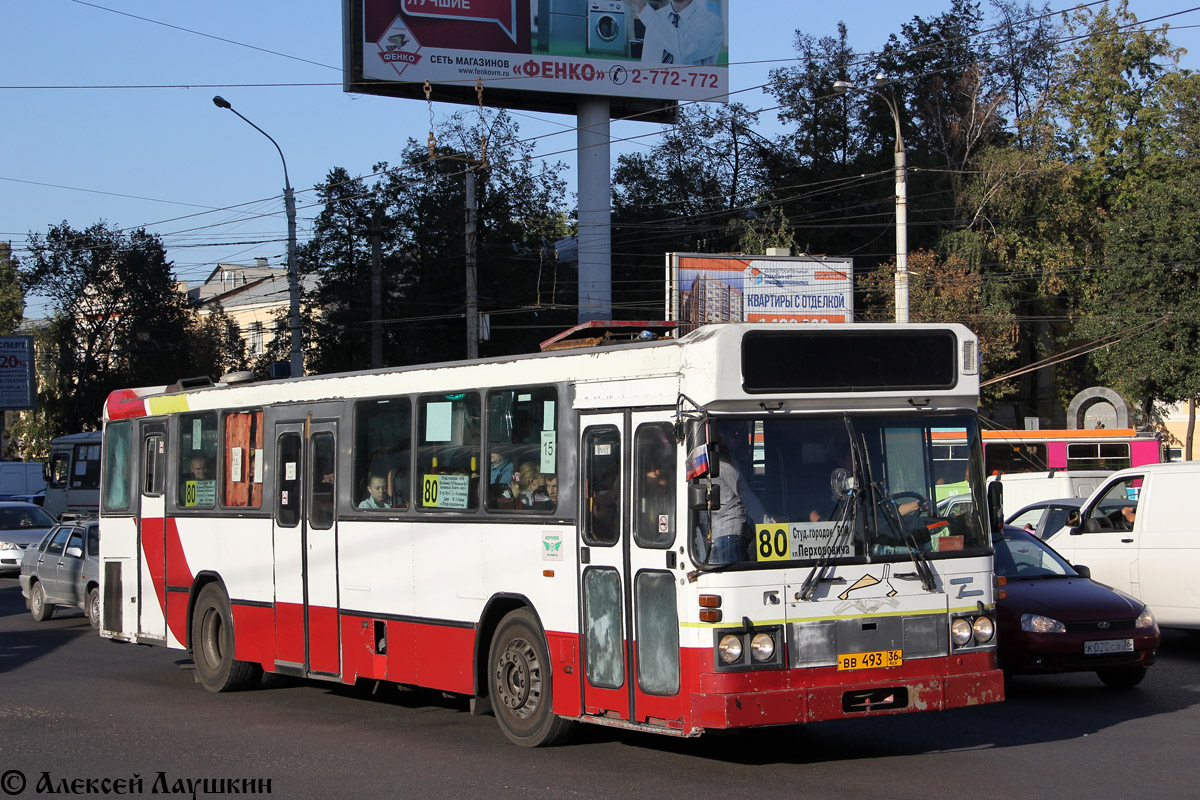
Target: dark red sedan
[[1052, 617]]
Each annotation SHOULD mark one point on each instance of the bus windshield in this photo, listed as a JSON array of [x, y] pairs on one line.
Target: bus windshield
[[813, 489]]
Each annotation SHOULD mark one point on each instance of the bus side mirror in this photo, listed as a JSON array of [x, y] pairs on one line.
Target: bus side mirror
[[995, 497], [704, 497]]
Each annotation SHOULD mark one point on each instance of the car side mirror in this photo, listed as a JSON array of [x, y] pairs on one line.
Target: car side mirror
[[74, 552], [1083, 571]]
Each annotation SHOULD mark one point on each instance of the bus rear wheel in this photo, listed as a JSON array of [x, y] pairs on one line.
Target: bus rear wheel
[[212, 644], [519, 682]]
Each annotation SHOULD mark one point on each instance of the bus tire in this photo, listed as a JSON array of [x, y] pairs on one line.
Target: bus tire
[[92, 606], [38, 607], [212, 644], [519, 684]]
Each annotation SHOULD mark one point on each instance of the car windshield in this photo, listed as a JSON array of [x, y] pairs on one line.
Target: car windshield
[[1020, 556], [835, 487], [16, 518]]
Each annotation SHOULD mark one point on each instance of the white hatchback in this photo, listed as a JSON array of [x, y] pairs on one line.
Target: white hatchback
[[21, 525]]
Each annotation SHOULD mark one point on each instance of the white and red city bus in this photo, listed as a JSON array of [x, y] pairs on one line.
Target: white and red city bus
[[727, 530]]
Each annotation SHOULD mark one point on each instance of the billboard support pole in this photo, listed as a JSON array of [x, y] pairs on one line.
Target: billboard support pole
[[595, 210]]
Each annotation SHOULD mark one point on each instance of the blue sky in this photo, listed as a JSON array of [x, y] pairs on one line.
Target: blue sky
[[156, 152]]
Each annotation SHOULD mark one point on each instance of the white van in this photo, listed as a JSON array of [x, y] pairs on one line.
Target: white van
[[1140, 532], [1023, 488], [19, 479]]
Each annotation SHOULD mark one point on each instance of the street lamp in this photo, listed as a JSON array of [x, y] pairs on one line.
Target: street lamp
[[289, 202], [842, 87]]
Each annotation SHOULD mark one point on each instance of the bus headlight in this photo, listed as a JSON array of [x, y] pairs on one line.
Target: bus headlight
[[960, 631], [984, 629], [730, 649], [762, 647]]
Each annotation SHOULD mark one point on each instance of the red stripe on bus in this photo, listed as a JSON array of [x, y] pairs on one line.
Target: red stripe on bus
[[125, 404]]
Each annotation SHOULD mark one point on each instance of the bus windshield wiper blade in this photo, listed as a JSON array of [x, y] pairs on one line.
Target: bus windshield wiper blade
[[845, 521], [883, 497]]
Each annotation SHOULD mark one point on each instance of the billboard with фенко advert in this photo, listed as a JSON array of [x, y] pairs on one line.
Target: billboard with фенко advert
[[644, 55]]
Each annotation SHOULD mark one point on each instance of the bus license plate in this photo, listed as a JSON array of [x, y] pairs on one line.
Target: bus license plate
[[880, 658], [1108, 646]]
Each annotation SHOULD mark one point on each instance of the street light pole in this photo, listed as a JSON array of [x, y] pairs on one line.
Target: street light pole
[[289, 203], [841, 87]]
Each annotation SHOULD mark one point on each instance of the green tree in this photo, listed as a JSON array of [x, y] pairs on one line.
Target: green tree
[[685, 195], [116, 318], [12, 298], [948, 289], [1145, 300], [340, 254], [217, 346], [1036, 210]]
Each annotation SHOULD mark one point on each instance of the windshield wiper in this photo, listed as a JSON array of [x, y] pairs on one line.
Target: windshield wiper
[[880, 496], [845, 522]]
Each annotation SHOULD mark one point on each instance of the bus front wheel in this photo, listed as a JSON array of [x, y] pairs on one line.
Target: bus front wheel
[[519, 682], [212, 644]]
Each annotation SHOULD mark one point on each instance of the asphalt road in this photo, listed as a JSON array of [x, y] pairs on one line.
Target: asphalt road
[[74, 707]]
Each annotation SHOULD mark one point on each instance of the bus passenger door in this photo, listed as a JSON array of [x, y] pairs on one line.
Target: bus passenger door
[[306, 603], [152, 533], [630, 622]]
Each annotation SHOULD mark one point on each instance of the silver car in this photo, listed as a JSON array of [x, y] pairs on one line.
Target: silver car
[[21, 525], [64, 570]]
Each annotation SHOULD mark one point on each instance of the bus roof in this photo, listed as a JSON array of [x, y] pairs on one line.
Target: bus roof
[[706, 365]]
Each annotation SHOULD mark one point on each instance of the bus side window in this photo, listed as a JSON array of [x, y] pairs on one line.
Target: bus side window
[[323, 482], [381, 453], [197, 460], [118, 446], [448, 453], [521, 472], [654, 485], [242, 476], [287, 480], [602, 486], [85, 472]]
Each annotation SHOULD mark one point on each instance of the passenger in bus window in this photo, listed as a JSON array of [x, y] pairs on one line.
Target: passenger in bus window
[[377, 494], [501, 468], [529, 487], [550, 490], [733, 523], [200, 470]]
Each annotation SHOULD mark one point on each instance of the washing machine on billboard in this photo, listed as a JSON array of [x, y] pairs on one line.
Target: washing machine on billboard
[[562, 26], [607, 28]]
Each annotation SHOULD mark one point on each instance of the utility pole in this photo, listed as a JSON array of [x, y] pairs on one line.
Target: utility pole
[[472, 225], [289, 203], [377, 287]]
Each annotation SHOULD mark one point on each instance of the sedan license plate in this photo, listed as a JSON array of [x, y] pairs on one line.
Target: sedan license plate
[[1108, 646], [879, 658]]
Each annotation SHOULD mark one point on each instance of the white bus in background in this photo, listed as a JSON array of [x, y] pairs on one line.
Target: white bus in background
[[73, 474], [561, 537]]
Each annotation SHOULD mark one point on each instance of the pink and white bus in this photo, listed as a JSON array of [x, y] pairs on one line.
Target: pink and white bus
[[1073, 449], [726, 530]]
